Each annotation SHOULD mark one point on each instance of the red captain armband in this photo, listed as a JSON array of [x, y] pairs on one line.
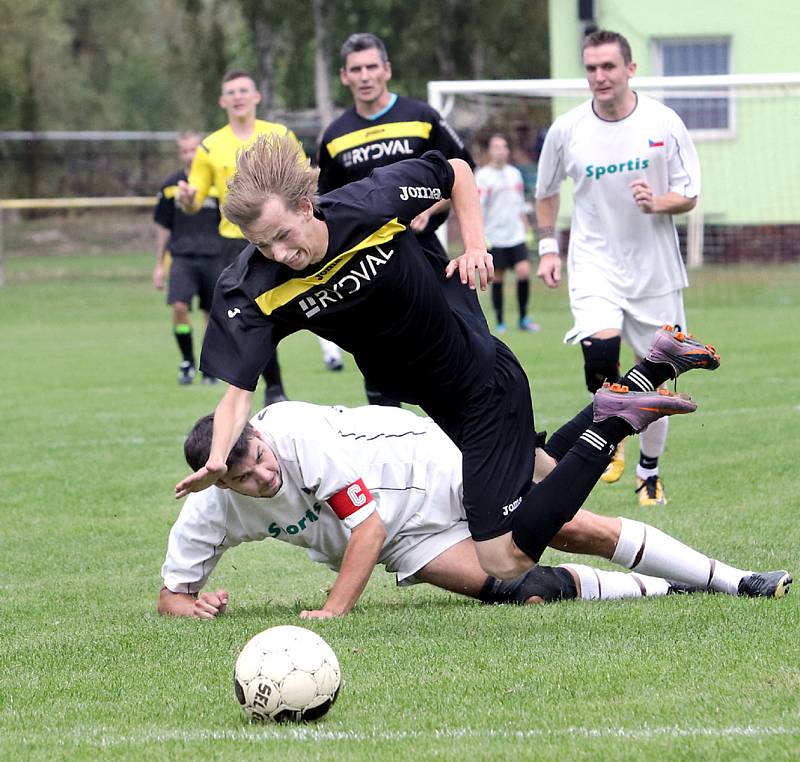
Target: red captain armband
[[350, 499]]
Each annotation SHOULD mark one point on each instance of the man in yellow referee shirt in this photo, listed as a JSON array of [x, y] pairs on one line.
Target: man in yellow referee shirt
[[215, 163]]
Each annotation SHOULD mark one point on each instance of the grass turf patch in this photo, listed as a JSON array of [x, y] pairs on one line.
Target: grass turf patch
[[93, 424]]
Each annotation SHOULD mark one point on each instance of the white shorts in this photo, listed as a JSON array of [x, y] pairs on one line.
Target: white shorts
[[638, 319], [424, 536], [410, 553]]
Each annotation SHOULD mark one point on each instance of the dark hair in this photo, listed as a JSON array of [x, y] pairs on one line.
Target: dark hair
[[197, 446], [359, 41], [237, 74], [606, 37]]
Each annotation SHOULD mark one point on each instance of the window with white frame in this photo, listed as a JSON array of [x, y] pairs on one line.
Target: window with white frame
[[712, 113]]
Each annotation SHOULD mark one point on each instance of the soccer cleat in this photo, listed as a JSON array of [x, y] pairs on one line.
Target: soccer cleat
[[526, 324], [616, 467], [500, 328], [639, 409], [681, 351], [334, 363], [186, 373], [651, 491], [274, 394], [209, 380], [773, 584]]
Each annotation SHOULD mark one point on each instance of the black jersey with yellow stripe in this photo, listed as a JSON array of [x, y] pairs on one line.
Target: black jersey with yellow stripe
[[352, 145], [374, 293], [190, 234]]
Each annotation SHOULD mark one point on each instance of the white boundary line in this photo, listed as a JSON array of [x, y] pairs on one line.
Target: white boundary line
[[106, 739]]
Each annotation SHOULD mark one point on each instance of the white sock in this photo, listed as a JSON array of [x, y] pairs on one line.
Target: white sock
[[330, 351], [650, 551], [599, 585], [645, 473], [653, 440]]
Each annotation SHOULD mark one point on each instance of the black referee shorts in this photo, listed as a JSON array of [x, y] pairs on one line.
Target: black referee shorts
[[193, 276], [495, 432]]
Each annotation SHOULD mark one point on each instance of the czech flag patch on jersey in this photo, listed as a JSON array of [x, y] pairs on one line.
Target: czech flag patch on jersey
[[350, 499], [656, 143]]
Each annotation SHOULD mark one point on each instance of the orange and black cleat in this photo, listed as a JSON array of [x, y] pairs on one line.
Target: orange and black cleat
[[639, 409], [681, 351]]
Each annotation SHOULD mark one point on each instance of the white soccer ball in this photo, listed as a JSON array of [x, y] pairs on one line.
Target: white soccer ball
[[286, 674]]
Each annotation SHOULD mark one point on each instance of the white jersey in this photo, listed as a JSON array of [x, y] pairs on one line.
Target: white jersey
[[338, 466], [616, 250], [503, 204]]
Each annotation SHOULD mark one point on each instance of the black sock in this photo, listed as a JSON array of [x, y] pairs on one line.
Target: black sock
[[645, 461], [272, 372], [646, 376], [554, 501], [612, 431], [562, 440], [497, 301], [183, 335], [523, 289]]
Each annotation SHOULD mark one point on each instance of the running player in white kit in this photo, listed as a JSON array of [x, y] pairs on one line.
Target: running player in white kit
[[633, 166], [505, 223]]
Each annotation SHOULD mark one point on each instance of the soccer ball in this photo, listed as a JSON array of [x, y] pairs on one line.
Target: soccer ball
[[286, 674]]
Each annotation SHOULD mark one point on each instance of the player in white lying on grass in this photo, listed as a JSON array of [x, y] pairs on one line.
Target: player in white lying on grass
[[366, 486], [633, 167]]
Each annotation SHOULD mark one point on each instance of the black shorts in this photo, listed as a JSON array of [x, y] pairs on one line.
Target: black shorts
[[193, 276], [505, 257], [495, 432]]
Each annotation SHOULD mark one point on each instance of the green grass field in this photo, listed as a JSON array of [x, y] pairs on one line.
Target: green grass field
[[93, 423]]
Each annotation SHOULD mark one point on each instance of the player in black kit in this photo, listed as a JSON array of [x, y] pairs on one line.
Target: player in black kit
[[383, 128], [196, 248], [347, 267]]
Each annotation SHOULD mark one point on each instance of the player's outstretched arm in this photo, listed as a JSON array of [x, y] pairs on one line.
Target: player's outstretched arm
[[467, 208], [203, 606], [363, 549], [230, 417]]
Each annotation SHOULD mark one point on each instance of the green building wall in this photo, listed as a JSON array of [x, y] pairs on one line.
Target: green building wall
[[752, 177]]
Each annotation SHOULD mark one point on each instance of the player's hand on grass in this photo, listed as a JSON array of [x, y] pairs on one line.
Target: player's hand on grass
[[202, 479], [158, 277], [320, 614], [470, 261], [549, 269], [210, 605], [185, 195], [643, 196]]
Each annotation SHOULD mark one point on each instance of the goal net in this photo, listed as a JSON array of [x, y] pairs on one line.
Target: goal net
[[742, 126]]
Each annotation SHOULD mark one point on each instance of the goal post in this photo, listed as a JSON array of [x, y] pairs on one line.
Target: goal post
[[742, 125]]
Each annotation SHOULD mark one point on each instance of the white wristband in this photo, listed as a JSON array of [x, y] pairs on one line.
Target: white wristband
[[548, 246]]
